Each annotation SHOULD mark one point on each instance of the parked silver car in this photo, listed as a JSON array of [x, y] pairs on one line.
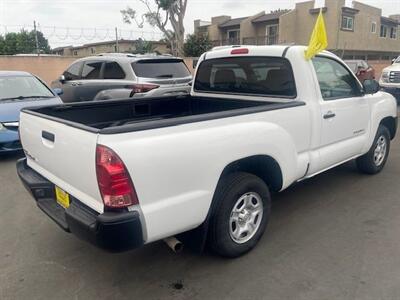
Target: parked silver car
[[117, 75]]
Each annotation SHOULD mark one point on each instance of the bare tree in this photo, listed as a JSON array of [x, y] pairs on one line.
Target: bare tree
[[166, 14]]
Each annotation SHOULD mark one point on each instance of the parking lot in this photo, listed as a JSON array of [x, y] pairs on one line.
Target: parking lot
[[335, 236]]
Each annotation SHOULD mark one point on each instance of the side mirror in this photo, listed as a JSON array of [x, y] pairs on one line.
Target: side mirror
[[190, 83], [58, 91], [371, 86], [62, 79]]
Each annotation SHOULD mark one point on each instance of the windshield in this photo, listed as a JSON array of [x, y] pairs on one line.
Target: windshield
[[22, 87], [397, 61], [160, 68]]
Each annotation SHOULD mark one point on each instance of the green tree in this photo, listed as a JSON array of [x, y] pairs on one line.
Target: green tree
[[44, 46], [23, 42], [143, 47], [1, 44], [165, 15], [196, 45]]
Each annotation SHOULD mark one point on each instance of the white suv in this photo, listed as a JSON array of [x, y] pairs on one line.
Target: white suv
[[117, 75]]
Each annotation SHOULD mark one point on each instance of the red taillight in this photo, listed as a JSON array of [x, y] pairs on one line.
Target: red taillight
[[142, 87], [240, 51], [115, 184]]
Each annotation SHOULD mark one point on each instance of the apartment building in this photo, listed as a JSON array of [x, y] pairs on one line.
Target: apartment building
[[359, 31], [260, 29], [124, 46]]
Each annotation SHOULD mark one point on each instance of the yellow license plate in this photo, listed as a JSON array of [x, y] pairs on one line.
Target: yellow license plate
[[62, 197]]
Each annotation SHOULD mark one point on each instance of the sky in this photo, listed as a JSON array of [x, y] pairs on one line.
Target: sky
[[72, 22]]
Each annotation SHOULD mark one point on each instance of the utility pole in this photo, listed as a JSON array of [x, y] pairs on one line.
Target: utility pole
[[116, 40], [36, 38]]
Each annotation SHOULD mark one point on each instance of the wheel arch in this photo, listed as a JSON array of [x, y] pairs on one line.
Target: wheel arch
[[391, 124], [262, 166]]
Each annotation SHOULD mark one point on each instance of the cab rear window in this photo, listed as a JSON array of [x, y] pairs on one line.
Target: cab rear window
[[265, 76], [160, 68]]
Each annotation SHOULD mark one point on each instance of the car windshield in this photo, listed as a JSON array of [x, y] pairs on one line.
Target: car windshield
[[161, 68], [22, 87]]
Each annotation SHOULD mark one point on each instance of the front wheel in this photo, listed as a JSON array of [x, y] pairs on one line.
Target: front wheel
[[375, 159], [240, 216]]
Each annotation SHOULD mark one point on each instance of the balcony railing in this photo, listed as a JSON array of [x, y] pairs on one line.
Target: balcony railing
[[262, 40], [226, 42]]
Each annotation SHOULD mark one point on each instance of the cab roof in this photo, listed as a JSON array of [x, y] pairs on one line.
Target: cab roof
[[274, 50]]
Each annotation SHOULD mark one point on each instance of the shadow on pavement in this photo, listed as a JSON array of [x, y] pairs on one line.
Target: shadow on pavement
[[11, 156]]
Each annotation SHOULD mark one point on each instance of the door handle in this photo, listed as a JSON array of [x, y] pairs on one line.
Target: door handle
[[48, 136], [48, 139], [329, 115]]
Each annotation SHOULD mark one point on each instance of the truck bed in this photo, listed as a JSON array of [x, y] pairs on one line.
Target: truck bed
[[118, 116]]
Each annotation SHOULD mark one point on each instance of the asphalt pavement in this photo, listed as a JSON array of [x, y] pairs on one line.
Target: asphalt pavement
[[335, 236]]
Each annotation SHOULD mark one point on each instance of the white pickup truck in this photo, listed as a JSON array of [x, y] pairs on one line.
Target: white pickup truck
[[390, 78], [201, 167]]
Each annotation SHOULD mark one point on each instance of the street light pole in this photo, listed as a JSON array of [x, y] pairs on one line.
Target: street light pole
[[36, 38], [116, 40]]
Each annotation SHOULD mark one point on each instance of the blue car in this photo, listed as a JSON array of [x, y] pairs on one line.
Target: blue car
[[19, 90]]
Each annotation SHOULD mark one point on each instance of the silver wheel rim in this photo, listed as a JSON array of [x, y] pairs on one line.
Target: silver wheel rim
[[380, 151], [246, 217]]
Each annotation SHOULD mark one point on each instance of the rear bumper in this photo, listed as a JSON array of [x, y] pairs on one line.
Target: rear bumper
[[112, 231]]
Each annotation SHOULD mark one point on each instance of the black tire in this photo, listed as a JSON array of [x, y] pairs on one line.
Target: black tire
[[229, 191], [367, 163]]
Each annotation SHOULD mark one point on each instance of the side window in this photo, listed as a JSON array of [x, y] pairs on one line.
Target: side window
[[72, 73], [112, 70], [335, 81], [91, 70]]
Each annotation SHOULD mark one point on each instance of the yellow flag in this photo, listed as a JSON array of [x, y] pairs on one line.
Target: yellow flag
[[319, 39]]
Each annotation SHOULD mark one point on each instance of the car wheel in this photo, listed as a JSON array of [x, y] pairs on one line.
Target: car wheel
[[241, 214], [375, 159]]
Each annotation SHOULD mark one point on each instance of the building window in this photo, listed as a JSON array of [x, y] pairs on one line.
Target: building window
[[92, 50], [383, 33], [347, 23], [373, 27], [393, 33], [75, 53], [272, 34], [234, 36]]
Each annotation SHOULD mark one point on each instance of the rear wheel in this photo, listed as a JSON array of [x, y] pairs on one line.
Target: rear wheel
[[375, 159], [240, 216]]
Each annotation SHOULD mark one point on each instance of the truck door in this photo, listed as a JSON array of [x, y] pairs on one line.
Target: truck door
[[344, 112]]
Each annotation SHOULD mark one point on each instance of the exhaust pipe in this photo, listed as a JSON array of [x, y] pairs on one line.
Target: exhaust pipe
[[174, 244]]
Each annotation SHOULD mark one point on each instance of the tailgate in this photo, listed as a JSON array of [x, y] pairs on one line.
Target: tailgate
[[64, 155]]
